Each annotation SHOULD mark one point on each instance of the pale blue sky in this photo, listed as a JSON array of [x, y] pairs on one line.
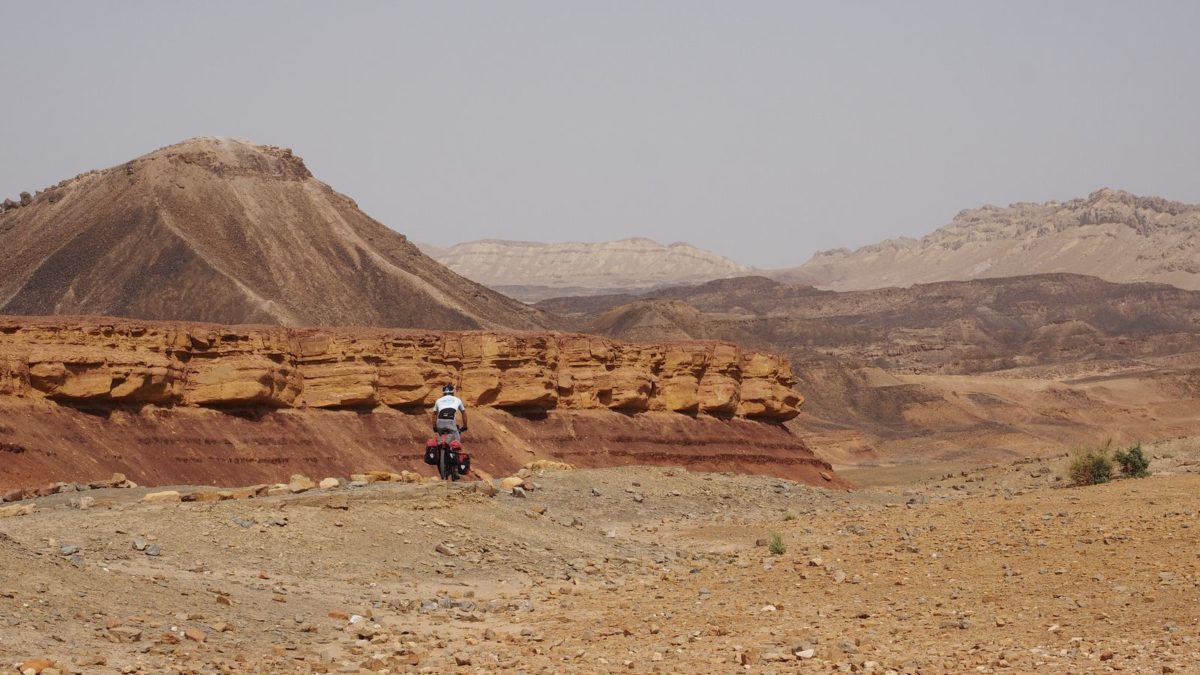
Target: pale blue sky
[[760, 130]]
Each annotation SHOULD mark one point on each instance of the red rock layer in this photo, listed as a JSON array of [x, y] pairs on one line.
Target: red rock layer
[[200, 403]]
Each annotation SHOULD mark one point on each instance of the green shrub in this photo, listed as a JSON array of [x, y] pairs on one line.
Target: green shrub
[[1134, 463], [777, 546], [790, 515], [1091, 467]]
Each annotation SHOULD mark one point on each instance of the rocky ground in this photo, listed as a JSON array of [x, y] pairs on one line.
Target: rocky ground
[[1000, 569]]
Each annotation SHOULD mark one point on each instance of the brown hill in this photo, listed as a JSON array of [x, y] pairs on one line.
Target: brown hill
[[1112, 234], [214, 229], [973, 368]]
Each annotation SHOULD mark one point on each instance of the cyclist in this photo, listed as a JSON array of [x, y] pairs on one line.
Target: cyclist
[[445, 413]]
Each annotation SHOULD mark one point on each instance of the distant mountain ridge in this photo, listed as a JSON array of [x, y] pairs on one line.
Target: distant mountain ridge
[[534, 270], [1112, 234], [980, 368], [222, 230]]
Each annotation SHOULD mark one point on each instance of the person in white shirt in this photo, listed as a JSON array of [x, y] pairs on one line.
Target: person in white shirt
[[445, 413]]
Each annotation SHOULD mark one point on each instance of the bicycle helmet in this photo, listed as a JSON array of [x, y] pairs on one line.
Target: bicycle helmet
[[448, 390]]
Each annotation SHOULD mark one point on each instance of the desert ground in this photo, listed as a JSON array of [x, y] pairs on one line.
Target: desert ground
[[1002, 568]]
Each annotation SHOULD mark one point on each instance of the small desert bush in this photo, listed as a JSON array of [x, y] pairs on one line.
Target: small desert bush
[[777, 546], [790, 515], [1091, 467], [1133, 462]]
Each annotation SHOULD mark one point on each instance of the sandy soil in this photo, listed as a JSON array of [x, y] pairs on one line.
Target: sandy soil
[[1001, 569]]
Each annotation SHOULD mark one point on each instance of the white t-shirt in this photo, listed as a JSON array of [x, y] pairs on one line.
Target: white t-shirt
[[450, 404]]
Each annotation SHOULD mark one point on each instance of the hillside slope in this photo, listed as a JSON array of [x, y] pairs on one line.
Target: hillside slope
[[214, 229], [1112, 234], [967, 369]]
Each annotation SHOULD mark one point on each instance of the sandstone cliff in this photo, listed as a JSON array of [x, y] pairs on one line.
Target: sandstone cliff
[[1112, 234], [535, 271], [173, 364], [215, 229], [168, 402]]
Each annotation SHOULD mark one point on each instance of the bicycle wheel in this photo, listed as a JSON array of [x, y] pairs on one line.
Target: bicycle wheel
[[443, 462]]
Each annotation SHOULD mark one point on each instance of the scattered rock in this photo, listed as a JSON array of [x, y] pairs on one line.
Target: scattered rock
[[12, 496], [36, 666], [300, 483], [329, 483], [162, 497], [124, 634], [17, 510], [548, 465]]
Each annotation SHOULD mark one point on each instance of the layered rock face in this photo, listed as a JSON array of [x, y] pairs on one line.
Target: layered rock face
[[1111, 234], [534, 271], [169, 364], [169, 403]]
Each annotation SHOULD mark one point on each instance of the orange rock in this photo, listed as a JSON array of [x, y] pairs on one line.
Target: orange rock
[[36, 665], [243, 379], [162, 497], [275, 367], [206, 496]]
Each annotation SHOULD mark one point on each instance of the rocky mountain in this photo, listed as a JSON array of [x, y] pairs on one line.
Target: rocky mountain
[[535, 271], [1016, 365], [1112, 234], [214, 229]]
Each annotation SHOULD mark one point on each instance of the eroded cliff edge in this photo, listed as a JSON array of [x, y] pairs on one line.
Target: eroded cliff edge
[[190, 402]]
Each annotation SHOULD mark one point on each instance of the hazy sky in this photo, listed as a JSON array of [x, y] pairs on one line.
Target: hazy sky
[[761, 130]]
